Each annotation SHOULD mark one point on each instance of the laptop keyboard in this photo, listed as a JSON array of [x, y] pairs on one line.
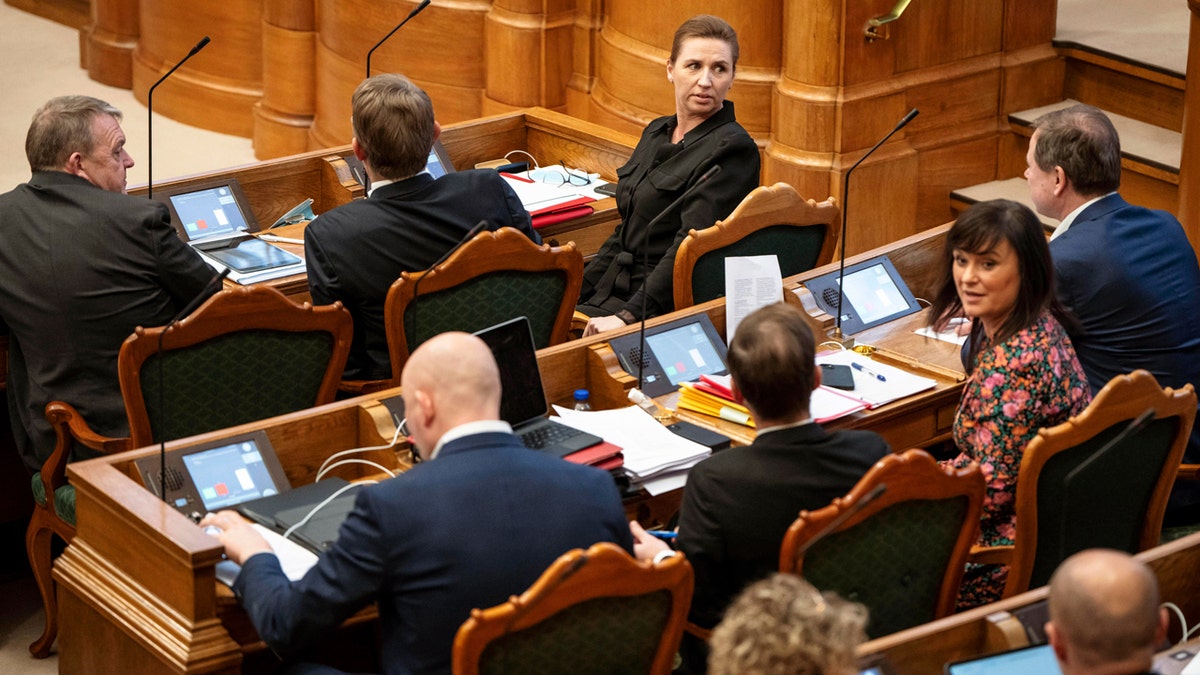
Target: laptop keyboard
[[546, 435]]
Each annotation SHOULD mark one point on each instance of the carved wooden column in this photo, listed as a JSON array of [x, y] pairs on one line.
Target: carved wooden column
[[283, 116], [218, 88], [529, 50], [1189, 166], [106, 45]]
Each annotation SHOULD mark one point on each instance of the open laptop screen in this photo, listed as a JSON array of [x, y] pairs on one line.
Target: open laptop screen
[[521, 398]]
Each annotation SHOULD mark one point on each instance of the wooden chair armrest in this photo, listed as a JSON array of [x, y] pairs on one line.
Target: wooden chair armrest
[[360, 387], [990, 555], [1188, 472], [693, 629], [70, 428], [578, 323]]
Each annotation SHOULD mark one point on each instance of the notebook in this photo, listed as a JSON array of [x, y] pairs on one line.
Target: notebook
[[523, 401]]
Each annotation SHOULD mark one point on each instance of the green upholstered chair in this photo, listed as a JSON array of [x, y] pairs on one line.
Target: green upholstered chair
[[246, 354], [770, 220], [594, 612], [495, 277], [1069, 498], [902, 554]]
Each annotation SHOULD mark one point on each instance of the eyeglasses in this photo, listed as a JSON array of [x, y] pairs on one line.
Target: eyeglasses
[[563, 176]]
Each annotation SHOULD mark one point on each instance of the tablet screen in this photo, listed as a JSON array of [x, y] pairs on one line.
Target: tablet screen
[[230, 474], [209, 212], [1038, 660], [685, 353], [873, 293]]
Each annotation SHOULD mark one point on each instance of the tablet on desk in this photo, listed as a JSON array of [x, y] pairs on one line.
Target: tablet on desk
[[679, 351], [873, 293]]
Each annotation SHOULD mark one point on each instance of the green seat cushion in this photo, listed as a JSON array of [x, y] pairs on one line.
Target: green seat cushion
[[64, 498]]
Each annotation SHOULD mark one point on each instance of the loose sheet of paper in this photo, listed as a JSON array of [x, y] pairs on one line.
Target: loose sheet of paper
[[750, 282], [896, 384], [295, 560]]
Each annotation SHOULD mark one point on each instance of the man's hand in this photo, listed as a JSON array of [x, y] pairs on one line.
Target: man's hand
[[601, 324], [236, 534], [646, 545]]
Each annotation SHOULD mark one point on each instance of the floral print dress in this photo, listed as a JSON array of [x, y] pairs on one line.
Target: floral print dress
[[1030, 381]]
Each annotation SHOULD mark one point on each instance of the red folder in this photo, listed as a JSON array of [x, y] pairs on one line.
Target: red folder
[[544, 218], [599, 455]]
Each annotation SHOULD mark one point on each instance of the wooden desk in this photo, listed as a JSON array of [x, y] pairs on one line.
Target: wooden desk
[[273, 187], [137, 585], [925, 648]]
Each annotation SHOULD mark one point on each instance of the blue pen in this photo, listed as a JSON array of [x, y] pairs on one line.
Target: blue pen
[[863, 369], [665, 535]]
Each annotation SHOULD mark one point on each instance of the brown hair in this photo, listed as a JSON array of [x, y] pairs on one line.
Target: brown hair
[[771, 361], [705, 26], [1081, 139], [61, 127], [393, 122], [978, 230]]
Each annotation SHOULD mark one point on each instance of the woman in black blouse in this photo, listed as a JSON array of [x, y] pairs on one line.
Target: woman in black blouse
[[673, 153]]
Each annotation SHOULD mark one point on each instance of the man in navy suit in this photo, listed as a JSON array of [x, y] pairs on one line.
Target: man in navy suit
[[475, 523], [407, 221], [1128, 273], [738, 504]]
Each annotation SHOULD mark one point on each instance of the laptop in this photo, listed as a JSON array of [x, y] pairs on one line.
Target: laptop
[[1035, 660], [438, 164], [523, 401], [214, 218]]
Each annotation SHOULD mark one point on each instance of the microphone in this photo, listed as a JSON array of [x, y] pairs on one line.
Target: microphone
[[712, 171], [150, 115], [837, 330], [479, 227], [419, 8], [841, 518], [212, 284]]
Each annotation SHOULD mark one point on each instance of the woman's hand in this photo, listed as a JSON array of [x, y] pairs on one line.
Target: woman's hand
[[601, 324]]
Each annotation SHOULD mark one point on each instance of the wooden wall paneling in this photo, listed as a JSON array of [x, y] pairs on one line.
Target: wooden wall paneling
[[941, 170], [875, 60], [883, 197], [1189, 166], [107, 43], [585, 55], [441, 50], [1029, 23], [284, 114], [1130, 94], [218, 88], [937, 32], [528, 54], [1030, 78]]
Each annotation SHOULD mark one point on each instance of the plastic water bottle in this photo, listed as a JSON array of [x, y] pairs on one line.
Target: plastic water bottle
[[581, 400]]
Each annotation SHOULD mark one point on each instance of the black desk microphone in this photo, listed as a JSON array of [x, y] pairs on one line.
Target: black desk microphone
[[417, 10], [150, 115]]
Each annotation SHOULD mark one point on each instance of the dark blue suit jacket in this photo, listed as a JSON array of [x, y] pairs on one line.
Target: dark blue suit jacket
[[476, 525], [1130, 276]]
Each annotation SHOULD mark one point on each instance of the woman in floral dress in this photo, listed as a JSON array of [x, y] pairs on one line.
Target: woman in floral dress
[[1023, 371]]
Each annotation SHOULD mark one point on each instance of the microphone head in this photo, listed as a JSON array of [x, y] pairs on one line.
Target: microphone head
[[907, 118], [200, 45], [714, 170]]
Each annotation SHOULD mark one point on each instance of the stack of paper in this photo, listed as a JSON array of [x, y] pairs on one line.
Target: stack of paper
[[876, 383], [543, 198], [655, 458]]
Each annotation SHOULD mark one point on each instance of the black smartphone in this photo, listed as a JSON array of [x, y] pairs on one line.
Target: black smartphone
[[838, 377], [709, 439], [609, 189]]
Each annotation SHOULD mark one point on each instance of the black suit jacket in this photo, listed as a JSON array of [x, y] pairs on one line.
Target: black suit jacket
[[80, 268], [468, 529], [357, 250], [657, 173], [739, 503]]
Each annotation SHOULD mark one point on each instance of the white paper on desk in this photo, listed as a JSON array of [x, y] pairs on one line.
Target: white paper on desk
[[829, 404], [536, 195], [899, 384], [949, 335], [648, 446], [294, 559], [750, 282], [665, 482]]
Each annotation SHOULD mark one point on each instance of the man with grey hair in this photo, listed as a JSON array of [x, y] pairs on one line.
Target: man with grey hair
[[408, 220], [1127, 273], [1104, 614], [81, 265]]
